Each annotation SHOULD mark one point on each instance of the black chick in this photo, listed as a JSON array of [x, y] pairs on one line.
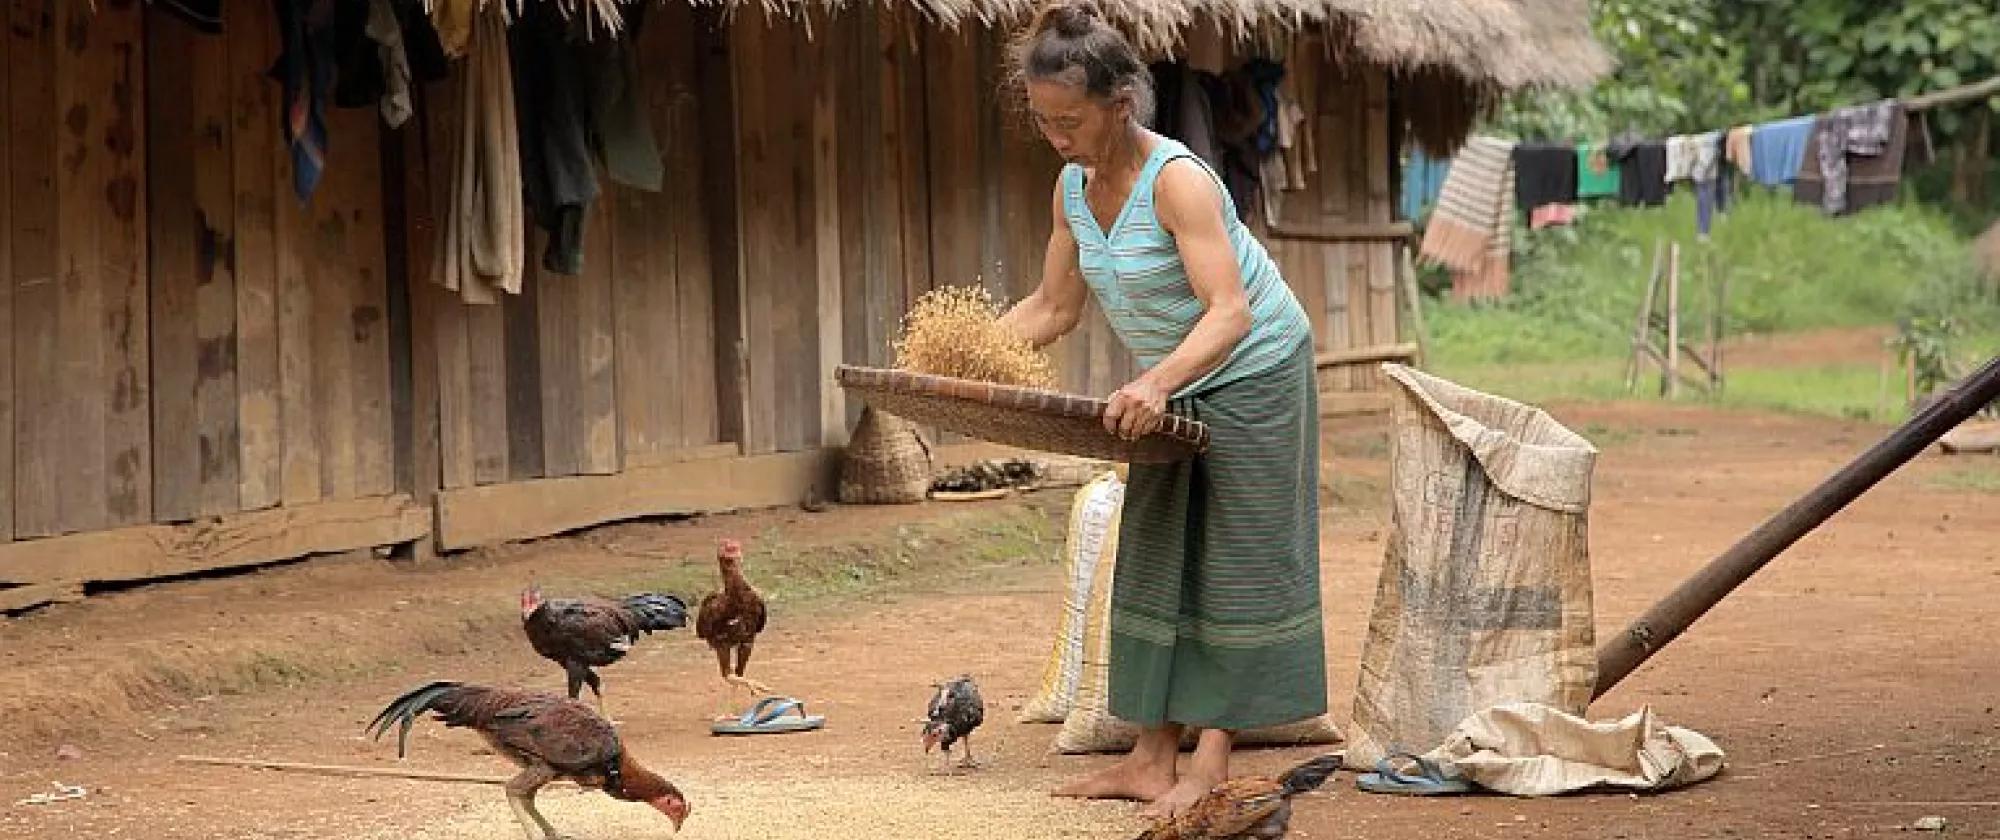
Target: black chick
[[955, 710]]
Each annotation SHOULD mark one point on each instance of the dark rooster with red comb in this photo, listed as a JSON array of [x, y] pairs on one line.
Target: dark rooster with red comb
[[548, 737], [589, 632]]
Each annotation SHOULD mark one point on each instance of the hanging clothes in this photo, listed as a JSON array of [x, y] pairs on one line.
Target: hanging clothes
[[1471, 230], [622, 126], [1642, 171], [1544, 173], [453, 21], [1549, 215], [1596, 174], [1777, 148], [1240, 119], [1681, 152], [1184, 111], [305, 69], [1423, 177], [577, 99], [1854, 159], [1738, 151], [1705, 169], [483, 234]]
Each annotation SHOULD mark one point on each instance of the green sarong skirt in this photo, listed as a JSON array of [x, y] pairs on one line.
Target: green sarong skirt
[[1215, 606]]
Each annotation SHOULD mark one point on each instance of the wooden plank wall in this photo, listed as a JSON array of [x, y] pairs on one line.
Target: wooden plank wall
[[1347, 288], [76, 207], [192, 341], [615, 367], [270, 341]]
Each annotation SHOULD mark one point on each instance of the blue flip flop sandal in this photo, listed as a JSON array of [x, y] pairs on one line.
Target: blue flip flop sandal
[[769, 716], [1429, 781]]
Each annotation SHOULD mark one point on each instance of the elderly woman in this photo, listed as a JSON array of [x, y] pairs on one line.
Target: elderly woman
[[1215, 609]]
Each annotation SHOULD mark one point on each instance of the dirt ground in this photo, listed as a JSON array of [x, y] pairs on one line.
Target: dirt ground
[[1852, 683]]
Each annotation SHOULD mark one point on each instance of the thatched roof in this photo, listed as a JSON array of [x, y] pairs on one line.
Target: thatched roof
[[1497, 45]]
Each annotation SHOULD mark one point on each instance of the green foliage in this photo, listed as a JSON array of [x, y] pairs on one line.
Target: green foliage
[[1566, 329]]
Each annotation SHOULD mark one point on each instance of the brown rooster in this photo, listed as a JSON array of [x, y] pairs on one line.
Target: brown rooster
[[582, 633], [549, 737], [731, 618], [1250, 807]]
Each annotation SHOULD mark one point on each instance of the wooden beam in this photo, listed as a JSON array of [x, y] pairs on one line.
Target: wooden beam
[[246, 539], [474, 516], [40, 594], [1953, 96], [830, 320], [1342, 232], [520, 510], [1402, 352]]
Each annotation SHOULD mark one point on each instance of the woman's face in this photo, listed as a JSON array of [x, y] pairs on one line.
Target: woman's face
[[1080, 127]]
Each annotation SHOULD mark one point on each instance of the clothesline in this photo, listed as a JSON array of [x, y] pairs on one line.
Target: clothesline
[[1842, 160]]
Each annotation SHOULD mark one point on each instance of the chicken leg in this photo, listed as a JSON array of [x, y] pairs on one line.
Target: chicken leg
[[582, 675], [736, 677], [521, 799], [968, 762]]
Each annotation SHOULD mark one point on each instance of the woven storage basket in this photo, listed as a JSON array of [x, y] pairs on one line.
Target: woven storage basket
[[1026, 417], [888, 462]]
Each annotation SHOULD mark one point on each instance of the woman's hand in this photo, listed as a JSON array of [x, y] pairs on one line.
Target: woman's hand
[[1135, 410]]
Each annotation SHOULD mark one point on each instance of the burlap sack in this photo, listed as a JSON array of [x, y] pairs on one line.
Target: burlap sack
[[1527, 749], [1090, 727], [1484, 596], [1093, 536]]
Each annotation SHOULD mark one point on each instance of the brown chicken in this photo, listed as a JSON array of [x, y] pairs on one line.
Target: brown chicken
[[1250, 807], [582, 633], [731, 618], [550, 738]]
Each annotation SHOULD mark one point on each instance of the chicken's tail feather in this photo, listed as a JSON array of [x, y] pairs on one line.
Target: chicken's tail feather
[[402, 712], [656, 611], [1311, 774]]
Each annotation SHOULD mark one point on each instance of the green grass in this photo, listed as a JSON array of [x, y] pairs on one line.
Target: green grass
[[1981, 478], [1564, 332]]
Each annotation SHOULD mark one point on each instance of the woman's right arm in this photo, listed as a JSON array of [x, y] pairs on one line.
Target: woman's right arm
[[1056, 304]]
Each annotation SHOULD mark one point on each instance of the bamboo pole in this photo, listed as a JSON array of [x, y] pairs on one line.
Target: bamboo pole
[[1953, 96], [1642, 333], [1671, 381], [1666, 620], [342, 770]]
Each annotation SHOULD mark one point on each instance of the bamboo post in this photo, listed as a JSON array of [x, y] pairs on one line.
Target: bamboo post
[[1671, 380], [1666, 620], [1719, 323], [1641, 333], [1414, 299]]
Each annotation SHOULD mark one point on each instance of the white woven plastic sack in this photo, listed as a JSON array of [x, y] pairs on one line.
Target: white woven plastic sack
[[1093, 523]]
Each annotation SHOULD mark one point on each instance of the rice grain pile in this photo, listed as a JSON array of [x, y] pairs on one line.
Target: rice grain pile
[[955, 331]]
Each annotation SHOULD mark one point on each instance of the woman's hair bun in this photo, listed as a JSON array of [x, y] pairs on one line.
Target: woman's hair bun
[[1069, 19]]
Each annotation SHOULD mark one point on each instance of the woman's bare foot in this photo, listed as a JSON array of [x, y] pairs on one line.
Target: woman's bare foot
[[1144, 775], [1128, 779], [1209, 768]]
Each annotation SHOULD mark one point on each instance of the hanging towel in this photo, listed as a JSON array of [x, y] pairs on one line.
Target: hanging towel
[[1642, 171], [1737, 149], [1776, 149], [387, 32], [484, 236], [1596, 175], [453, 20], [1470, 232], [1544, 173], [1423, 177], [1682, 151], [1865, 137], [305, 70], [1854, 159], [619, 117]]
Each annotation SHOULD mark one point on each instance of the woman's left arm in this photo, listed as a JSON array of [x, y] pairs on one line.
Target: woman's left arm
[[1190, 208]]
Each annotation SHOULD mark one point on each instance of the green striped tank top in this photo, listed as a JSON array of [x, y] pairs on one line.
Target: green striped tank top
[[1137, 275]]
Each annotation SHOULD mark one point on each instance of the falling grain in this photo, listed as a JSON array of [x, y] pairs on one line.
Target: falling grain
[[955, 331]]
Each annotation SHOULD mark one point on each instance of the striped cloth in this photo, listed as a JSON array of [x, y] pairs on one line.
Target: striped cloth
[[1136, 273], [1215, 606], [1471, 230]]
